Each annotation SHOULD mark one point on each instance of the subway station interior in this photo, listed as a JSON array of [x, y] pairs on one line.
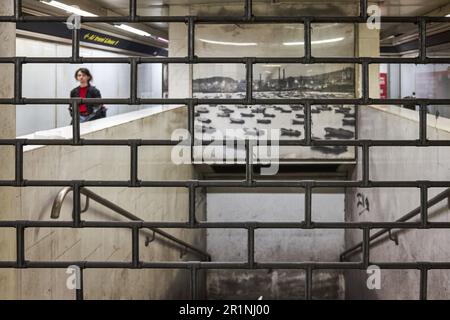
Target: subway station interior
[[237, 150]]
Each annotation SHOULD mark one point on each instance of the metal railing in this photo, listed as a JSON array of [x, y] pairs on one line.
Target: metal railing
[[444, 195], [304, 221], [59, 199]]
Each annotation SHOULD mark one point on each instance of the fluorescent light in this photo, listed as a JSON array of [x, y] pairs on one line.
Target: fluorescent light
[[272, 65], [162, 39], [133, 30], [72, 9], [448, 15], [230, 43], [301, 43]]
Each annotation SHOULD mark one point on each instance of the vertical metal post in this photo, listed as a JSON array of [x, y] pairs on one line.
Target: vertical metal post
[[76, 45], [308, 283], [79, 292], [134, 145], [20, 246], [191, 38], [251, 247], [423, 123], [248, 14], [307, 112], [307, 36], [366, 247], [194, 282], [17, 10], [133, 10], [363, 9], [422, 39], [18, 79], [75, 122], [423, 283], [19, 163], [365, 82], [365, 165], [133, 80], [76, 212], [308, 198], [424, 206], [192, 217], [248, 162], [249, 80], [135, 246]]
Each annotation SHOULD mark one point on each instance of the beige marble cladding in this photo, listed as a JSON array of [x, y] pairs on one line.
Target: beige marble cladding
[[389, 204], [150, 204], [7, 131]]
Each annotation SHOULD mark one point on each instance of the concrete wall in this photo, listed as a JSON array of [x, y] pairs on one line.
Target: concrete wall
[[389, 204], [274, 245], [7, 131], [56, 81], [151, 204]]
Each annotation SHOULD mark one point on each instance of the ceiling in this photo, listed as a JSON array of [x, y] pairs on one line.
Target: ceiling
[[160, 7]]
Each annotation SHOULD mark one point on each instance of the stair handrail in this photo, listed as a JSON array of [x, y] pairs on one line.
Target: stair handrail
[[59, 199], [358, 247]]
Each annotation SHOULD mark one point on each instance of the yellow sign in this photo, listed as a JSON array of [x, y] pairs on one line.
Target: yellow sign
[[100, 39]]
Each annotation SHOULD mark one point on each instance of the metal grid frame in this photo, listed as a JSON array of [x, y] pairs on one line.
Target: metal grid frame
[[304, 222]]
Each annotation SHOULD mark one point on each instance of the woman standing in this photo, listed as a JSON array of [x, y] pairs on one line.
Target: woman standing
[[88, 112]]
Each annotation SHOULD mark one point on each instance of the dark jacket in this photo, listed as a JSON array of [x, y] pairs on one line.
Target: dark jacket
[[92, 92]]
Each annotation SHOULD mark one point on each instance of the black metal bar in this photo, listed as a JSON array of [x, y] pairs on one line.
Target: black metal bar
[[17, 10], [363, 9], [366, 248], [76, 45], [20, 246], [133, 10], [165, 142], [365, 82], [307, 112], [423, 283], [222, 225], [191, 38], [192, 217], [422, 39], [308, 282], [19, 181], [365, 165], [234, 60], [79, 292], [135, 246], [76, 139], [17, 80], [423, 123], [424, 205], [194, 282], [134, 160], [76, 212], [133, 80], [307, 35], [355, 101], [249, 81], [251, 247], [249, 162], [248, 8], [308, 205], [229, 19]]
